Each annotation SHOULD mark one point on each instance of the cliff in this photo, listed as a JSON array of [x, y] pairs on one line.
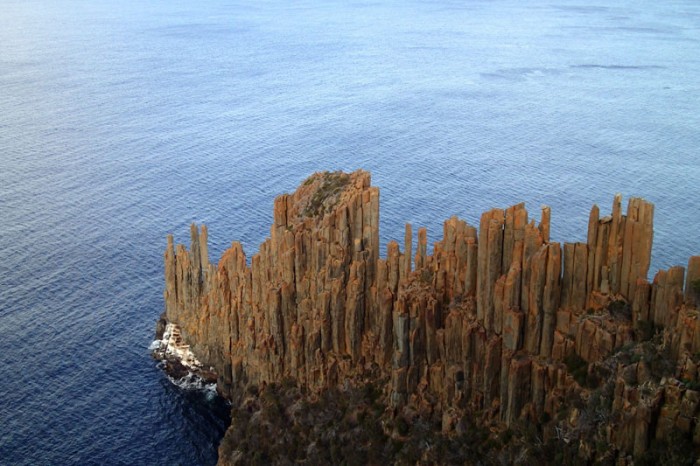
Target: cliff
[[498, 325]]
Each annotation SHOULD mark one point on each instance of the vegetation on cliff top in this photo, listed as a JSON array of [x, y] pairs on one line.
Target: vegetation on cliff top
[[331, 184], [282, 423]]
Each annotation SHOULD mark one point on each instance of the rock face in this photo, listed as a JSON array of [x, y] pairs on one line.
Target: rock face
[[499, 322]]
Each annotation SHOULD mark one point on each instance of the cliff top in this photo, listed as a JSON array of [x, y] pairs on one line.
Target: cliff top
[[320, 193]]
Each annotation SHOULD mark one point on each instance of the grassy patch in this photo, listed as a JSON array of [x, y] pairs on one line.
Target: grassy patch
[[325, 197]]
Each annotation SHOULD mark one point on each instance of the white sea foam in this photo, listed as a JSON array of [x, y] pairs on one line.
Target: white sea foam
[[172, 347], [155, 345], [193, 382]]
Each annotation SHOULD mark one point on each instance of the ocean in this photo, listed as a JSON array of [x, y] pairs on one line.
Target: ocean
[[121, 122]]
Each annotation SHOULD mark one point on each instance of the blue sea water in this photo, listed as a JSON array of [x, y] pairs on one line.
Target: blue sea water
[[123, 121]]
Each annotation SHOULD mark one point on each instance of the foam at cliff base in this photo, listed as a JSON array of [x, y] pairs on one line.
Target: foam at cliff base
[[171, 348]]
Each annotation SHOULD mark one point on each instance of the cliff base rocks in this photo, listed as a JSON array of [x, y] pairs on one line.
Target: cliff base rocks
[[176, 359]]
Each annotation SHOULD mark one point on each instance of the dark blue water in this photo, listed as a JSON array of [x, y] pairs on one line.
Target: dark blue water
[[123, 121]]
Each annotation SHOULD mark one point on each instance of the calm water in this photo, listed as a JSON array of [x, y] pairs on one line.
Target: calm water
[[123, 121]]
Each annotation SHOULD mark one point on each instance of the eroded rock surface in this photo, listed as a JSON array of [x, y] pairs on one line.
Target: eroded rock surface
[[499, 323]]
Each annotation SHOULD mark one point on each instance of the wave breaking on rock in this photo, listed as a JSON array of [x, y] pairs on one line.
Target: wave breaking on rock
[[178, 361]]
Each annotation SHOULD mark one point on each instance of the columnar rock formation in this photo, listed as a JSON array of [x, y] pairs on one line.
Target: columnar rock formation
[[489, 323]]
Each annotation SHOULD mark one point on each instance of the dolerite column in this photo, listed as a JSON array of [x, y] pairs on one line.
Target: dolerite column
[[600, 268], [514, 233], [574, 282], [641, 305], [401, 327], [370, 238], [490, 262], [204, 256], [182, 278], [637, 242], [355, 308], [534, 315], [550, 297], [408, 250], [338, 314], [545, 222], [386, 304], [196, 261], [531, 244], [592, 241], [518, 387], [579, 290], [568, 275], [668, 295], [470, 278], [692, 282], [170, 293], [393, 265], [422, 249], [615, 243]]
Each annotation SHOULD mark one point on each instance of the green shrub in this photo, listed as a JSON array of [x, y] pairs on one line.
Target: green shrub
[[577, 367], [691, 384], [695, 290], [678, 450], [644, 330], [402, 426], [426, 276], [695, 286], [620, 309]]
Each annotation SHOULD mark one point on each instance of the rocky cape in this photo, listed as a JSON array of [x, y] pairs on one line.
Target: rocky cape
[[535, 350]]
